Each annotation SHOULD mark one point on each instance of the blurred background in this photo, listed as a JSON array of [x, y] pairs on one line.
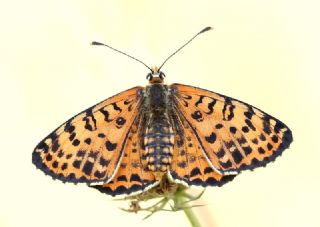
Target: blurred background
[[263, 52]]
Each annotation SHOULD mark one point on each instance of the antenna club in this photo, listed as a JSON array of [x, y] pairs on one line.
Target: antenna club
[[202, 31], [119, 51], [96, 43], [206, 29]]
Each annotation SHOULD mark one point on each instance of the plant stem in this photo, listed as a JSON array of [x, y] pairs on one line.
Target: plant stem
[[191, 217], [188, 212]]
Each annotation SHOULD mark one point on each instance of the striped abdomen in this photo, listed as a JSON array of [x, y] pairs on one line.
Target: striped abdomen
[[159, 141]]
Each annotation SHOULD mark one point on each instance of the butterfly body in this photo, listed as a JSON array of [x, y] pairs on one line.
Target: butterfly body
[[186, 135], [158, 133]]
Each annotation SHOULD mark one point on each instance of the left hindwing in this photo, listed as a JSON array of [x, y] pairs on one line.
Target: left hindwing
[[235, 136], [131, 176]]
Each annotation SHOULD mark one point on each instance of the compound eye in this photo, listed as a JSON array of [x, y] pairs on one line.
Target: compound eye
[[162, 75], [149, 76]]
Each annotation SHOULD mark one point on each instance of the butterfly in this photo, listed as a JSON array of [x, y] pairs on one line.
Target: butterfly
[[133, 141]]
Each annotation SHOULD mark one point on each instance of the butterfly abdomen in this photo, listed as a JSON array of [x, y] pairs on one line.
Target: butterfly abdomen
[[158, 141]]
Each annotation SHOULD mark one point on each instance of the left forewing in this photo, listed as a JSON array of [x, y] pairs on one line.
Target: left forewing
[[88, 147]]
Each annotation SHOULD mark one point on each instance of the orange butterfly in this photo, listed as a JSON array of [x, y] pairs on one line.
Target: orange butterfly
[[132, 141]]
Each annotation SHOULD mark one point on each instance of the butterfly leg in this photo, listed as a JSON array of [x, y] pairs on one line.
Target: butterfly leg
[[177, 200], [135, 207], [190, 197], [180, 200]]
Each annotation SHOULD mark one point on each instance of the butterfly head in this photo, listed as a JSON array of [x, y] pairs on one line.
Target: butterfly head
[[155, 76]]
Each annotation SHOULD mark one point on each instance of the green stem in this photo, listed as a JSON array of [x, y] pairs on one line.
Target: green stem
[[191, 217], [188, 212]]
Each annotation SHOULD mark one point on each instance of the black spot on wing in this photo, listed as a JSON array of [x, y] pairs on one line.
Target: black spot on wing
[[127, 101], [210, 106], [245, 129], [279, 125], [250, 125], [182, 164], [196, 181], [195, 171], [188, 97], [249, 113], [262, 137], [76, 164], [185, 103], [135, 177], [49, 157], [225, 179], [60, 154], [266, 125], [219, 126], [226, 165], [197, 115], [208, 170], [116, 107], [237, 156], [87, 167], [247, 150], [87, 141], [106, 115], [69, 127], [43, 146], [261, 150], [55, 146], [275, 139], [228, 105], [72, 136], [110, 146], [199, 100], [81, 153], [120, 122], [242, 140], [100, 175], [211, 138], [122, 178], [64, 166], [104, 162], [53, 136], [233, 130], [76, 142], [221, 153], [89, 119], [93, 154], [269, 146], [229, 144], [255, 141], [101, 135], [55, 164]]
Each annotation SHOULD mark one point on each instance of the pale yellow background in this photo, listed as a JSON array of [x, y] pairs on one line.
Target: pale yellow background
[[263, 52]]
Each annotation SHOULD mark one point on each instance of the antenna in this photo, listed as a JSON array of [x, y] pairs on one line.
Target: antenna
[[102, 44], [202, 31], [152, 71]]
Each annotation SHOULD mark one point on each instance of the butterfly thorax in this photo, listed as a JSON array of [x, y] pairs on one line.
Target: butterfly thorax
[[159, 137]]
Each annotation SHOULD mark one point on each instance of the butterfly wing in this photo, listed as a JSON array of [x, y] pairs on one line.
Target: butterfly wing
[[88, 147], [189, 164], [131, 176], [234, 136]]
